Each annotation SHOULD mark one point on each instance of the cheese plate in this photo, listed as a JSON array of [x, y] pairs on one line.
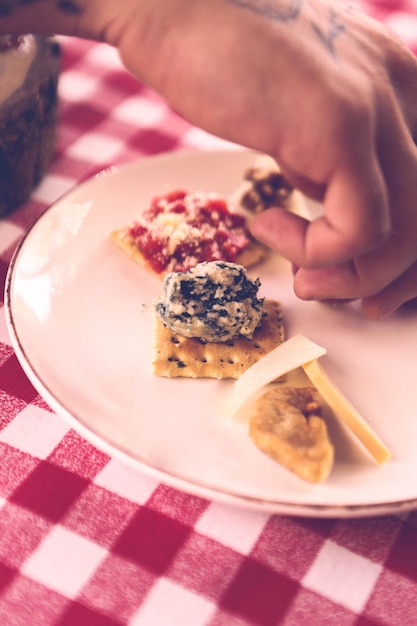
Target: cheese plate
[[79, 314]]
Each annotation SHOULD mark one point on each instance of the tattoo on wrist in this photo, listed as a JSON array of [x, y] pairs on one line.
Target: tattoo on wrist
[[7, 7], [335, 27], [290, 10], [280, 12]]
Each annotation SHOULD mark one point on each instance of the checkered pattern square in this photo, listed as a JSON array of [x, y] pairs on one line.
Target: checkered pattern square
[[99, 515], [122, 480], [48, 490], [393, 601], [15, 467], [34, 431], [205, 566], [87, 540], [151, 540], [21, 533], [36, 603], [13, 382], [63, 561], [169, 603], [258, 594], [220, 523], [116, 590], [343, 576]]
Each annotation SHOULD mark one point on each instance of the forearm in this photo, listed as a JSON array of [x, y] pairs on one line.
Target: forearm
[[151, 36], [90, 19], [41, 16]]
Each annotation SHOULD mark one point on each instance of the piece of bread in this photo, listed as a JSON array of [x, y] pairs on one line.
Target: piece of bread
[[29, 71], [286, 425], [178, 356]]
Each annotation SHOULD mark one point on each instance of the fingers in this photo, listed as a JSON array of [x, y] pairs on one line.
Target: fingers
[[356, 219], [337, 282], [384, 279], [340, 283], [399, 292], [283, 232], [364, 247]]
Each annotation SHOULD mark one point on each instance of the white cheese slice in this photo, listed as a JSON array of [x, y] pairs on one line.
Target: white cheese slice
[[286, 357], [345, 411]]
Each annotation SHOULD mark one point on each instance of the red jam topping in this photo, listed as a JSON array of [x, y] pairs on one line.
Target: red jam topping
[[180, 229]]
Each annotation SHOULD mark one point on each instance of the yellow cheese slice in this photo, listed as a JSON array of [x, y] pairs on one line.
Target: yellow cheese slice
[[286, 357], [345, 412]]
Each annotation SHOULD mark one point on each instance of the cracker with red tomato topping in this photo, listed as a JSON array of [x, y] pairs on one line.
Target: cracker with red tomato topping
[[180, 229]]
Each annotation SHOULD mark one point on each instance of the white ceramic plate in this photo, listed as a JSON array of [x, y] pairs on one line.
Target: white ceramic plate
[[79, 316]]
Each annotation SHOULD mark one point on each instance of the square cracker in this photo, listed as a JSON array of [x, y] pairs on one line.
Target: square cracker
[[175, 355]]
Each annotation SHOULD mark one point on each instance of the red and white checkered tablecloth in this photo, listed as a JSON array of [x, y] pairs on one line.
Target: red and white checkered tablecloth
[[84, 540]]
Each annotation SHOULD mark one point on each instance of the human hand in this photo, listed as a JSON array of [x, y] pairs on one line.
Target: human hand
[[380, 269], [319, 86], [331, 95]]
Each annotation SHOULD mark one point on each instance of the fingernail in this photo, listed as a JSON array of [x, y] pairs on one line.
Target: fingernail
[[375, 309]]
